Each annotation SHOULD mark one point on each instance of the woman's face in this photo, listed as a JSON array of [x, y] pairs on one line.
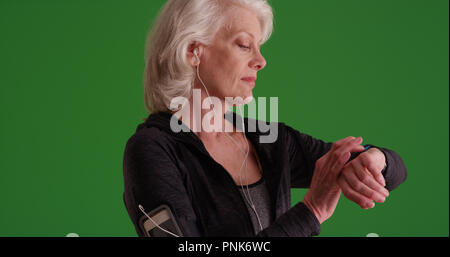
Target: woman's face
[[229, 66]]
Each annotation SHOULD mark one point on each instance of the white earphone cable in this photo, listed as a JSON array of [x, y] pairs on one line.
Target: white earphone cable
[[245, 172], [247, 198]]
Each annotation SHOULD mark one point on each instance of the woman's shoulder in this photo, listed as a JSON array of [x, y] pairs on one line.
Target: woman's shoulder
[[152, 130], [149, 136], [147, 139], [268, 131]]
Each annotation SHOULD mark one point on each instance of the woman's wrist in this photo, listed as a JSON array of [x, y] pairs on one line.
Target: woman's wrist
[[313, 209]]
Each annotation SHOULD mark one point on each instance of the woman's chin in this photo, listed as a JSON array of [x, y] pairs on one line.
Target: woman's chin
[[240, 99], [248, 99]]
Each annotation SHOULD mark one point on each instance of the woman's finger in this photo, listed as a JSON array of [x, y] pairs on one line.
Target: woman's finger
[[360, 187], [366, 177], [342, 154], [347, 148], [340, 142], [354, 196]]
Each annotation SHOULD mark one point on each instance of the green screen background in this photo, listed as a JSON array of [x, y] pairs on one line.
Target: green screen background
[[71, 95]]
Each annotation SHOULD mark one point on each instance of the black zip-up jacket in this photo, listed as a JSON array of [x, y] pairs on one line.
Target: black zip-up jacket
[[175, 169]]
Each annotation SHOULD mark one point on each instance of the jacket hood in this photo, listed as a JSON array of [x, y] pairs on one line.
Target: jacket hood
[[161, 120]]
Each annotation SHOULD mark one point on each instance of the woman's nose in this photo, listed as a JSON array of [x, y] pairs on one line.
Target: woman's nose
[[258, 62]]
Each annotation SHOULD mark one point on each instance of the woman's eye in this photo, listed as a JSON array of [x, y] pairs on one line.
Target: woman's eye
[[244, 46]]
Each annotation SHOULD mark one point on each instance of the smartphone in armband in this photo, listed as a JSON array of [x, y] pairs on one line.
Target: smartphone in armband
[[164, 218]]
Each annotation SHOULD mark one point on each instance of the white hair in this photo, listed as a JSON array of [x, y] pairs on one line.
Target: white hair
[[180, 23]]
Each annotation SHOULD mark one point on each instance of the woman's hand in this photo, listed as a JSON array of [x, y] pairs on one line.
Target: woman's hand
[[324, 192], [361, 180]]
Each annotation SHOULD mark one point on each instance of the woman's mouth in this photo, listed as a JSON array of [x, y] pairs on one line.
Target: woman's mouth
[[250, 80]]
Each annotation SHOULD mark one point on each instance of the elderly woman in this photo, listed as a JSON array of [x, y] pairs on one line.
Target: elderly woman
[[190, 182]]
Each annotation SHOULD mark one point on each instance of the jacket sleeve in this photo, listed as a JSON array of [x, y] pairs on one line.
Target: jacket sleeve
[[395, 171], [152, 179], [304, 151], [298, 221]]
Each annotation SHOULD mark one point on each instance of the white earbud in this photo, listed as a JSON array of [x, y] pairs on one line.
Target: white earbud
[[196, 56]]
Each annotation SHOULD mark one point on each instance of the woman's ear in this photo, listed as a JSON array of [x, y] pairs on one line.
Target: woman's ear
[[193, 54]]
